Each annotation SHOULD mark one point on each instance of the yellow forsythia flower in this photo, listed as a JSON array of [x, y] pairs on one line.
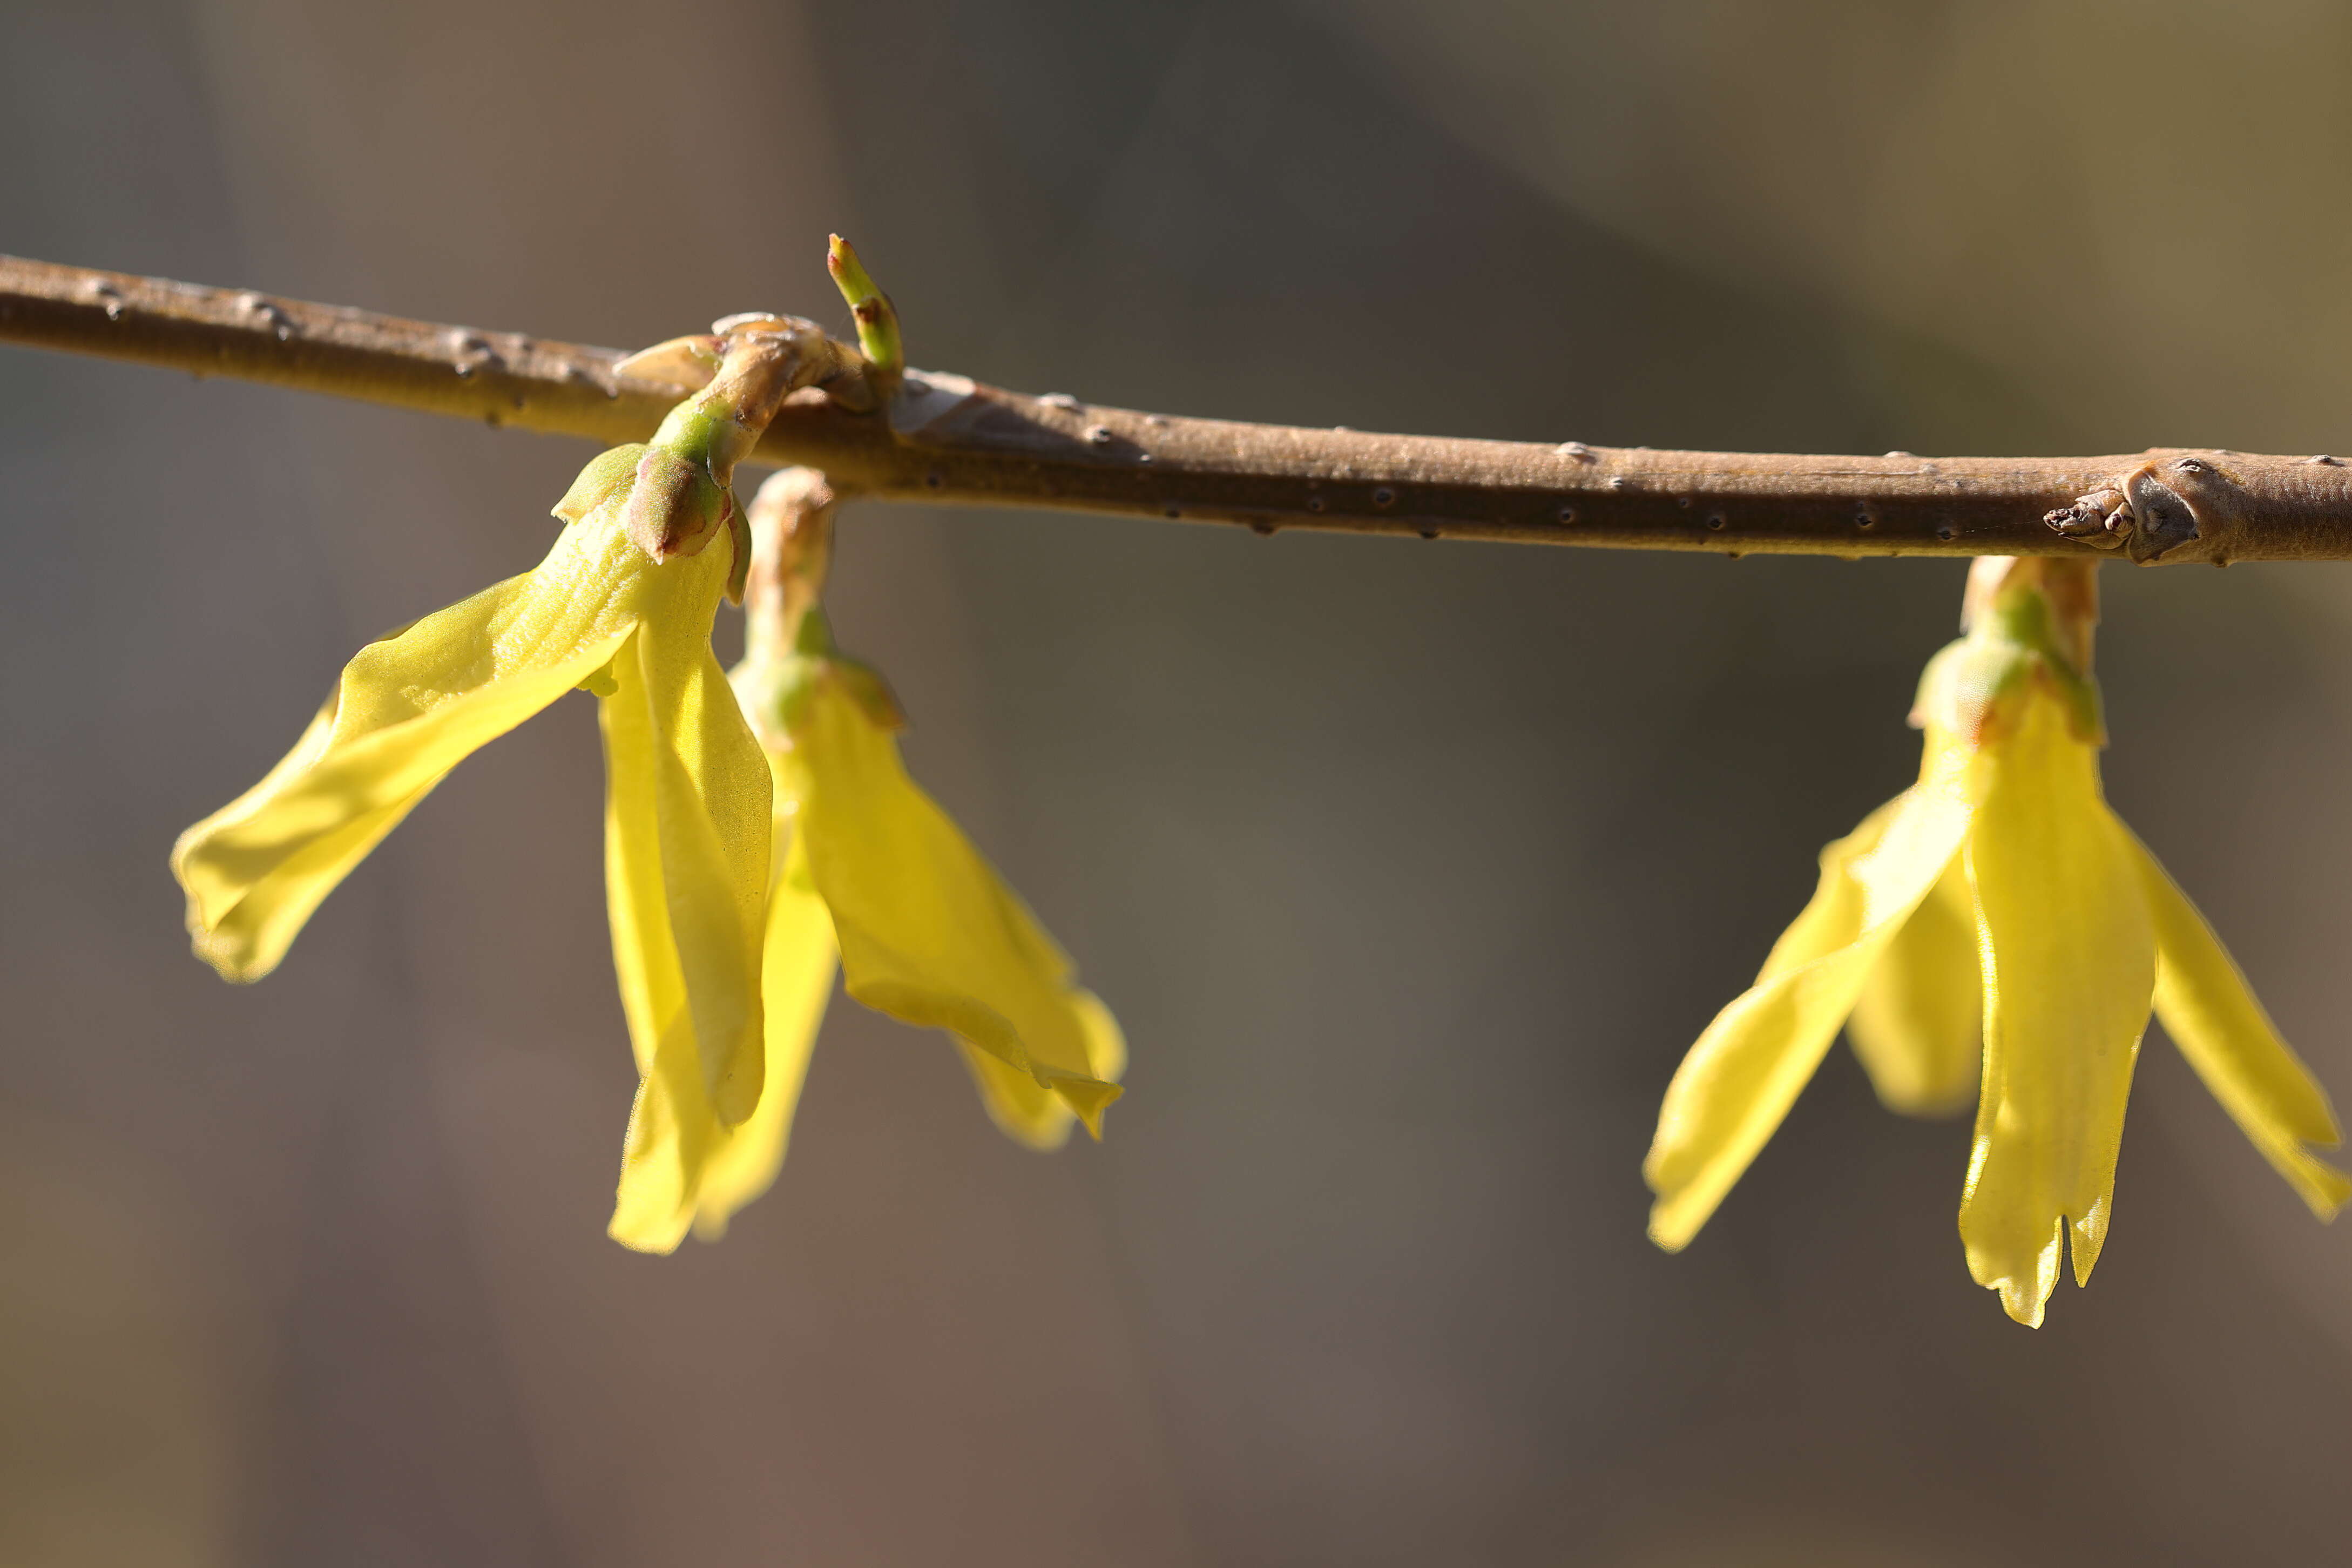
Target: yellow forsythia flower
[[1998, 902], [867, 865], [689, 796]]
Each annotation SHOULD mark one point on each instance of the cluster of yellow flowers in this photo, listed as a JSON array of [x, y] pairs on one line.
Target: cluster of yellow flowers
[[747, 841], [1995, 927]]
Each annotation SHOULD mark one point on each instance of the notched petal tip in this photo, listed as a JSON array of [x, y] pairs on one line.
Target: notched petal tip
[[2022, 1280]]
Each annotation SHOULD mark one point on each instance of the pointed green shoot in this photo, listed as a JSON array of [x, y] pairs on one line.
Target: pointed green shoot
[[878, 320]]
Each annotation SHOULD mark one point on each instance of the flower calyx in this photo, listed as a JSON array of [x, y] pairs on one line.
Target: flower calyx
[[2027, 624], [670, 505], [676, 492], [776, 689]]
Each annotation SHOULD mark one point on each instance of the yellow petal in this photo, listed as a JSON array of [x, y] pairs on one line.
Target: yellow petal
[[1918, 1026], [1025, 1109], [795, 981], [928, 934], [671, 1140], [710, 807], [407, 709], [636, 906], [673, 1132], [1832, 918], [681, 1167], [2069, 958], [1746, 1070], [685, 906], [2211, 1015]]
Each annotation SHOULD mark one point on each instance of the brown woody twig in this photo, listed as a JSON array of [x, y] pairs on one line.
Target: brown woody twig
[[947, 439]]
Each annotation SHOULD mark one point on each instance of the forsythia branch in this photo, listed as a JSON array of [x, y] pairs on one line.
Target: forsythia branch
[[945, 438]]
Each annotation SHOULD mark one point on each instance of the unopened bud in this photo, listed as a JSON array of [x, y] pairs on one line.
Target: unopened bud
[[674, 506], [667, 505]]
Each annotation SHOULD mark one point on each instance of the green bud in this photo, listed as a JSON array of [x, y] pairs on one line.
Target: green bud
[[673, 507]]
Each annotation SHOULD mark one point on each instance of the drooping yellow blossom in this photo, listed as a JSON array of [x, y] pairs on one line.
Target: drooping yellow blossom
[[868, 866], [411, 707], [623, 605], [1996, 924]]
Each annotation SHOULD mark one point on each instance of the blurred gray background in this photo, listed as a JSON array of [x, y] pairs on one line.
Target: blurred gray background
[[1410, 869]]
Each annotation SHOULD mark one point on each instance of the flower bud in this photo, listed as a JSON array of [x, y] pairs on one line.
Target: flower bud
[[674, 506]]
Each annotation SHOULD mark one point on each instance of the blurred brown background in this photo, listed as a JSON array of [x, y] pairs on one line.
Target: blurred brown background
[[1411, 870]]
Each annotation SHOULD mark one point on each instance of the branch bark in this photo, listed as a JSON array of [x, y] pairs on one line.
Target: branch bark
[[947, 439]]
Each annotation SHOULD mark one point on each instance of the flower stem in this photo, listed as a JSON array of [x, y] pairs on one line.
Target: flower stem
[[791, 547], [2064, 601]]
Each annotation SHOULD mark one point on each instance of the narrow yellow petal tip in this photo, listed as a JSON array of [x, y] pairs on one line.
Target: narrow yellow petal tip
[[2020, 1303], [2090, 1234], [2335, 1192], [641, 1233], [2023, 1280], [2323, 1189], [1668, 1234], [232, 960], [735, 1097], [1088, 1098]]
